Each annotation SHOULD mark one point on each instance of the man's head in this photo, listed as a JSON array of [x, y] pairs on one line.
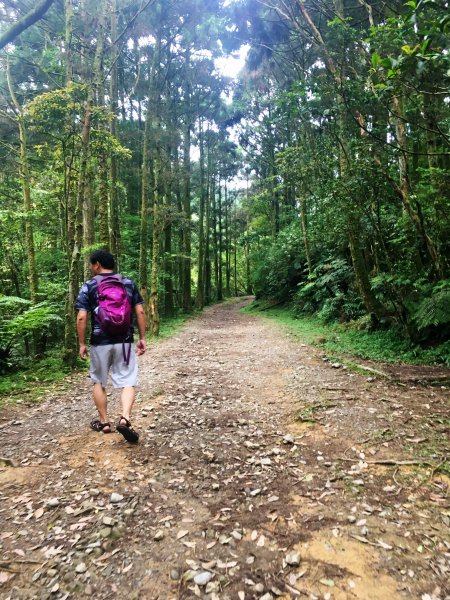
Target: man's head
[[101, 260]]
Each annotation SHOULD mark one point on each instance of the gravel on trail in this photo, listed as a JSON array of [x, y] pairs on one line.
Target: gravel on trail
[[263, 471]]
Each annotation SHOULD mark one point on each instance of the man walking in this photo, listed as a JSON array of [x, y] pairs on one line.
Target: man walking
[[110, 298]]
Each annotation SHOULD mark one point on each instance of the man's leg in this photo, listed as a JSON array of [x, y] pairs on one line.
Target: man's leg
[[127, 401], [100, 359], [101, 402], [124, 375]]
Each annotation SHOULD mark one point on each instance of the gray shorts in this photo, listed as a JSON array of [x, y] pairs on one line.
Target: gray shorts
[[104, 358]]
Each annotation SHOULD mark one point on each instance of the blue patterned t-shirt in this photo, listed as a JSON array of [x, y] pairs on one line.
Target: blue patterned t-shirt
[[88, 300]]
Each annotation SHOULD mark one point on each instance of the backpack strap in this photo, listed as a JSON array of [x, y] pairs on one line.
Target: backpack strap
[[126, 353]]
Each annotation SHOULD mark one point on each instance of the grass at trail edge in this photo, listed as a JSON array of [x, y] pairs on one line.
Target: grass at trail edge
[[31, 383], [388, 346]]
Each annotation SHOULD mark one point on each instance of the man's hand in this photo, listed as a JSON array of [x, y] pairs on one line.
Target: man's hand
[[141, 347], [83, 352]]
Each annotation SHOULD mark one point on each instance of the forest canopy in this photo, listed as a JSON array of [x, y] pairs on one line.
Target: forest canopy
[[318, 177]]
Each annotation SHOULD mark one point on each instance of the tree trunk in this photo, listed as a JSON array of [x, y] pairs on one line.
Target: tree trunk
[[304, 224], [114, 198], [199, 297], [70, 345], [158, 193], [186, 227], [88, 218], [68, 5], [215, 248], [103, 216], [227, 245], [26, 193], [220, 248], [209, 187], [157, 229], [147, 198], [235, 235], [169, 308], [404, 188], [102, 160]]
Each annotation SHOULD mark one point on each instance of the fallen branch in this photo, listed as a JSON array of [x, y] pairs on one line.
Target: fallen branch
[[390, 461], [25, 561], [366, 541]]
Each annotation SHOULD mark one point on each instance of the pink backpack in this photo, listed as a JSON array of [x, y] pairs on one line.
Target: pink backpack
[[114, 307]]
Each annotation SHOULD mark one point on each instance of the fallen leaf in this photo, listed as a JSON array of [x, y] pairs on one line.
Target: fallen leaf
[[38, 513], [182, 533], [4, 577]]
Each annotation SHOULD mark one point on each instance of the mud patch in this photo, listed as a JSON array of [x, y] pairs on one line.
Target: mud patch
[[106, 451], [19, 475], [346, 568]]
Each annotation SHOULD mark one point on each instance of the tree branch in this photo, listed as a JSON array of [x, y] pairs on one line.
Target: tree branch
[[24, 22]]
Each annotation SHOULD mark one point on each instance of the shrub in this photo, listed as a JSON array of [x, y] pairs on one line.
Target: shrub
[[19, 320], [279, 266]]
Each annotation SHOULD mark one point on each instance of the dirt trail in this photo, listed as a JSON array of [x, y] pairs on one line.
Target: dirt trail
[[261, 473]]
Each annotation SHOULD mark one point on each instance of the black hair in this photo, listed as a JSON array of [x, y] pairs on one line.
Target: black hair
[[105, 258]]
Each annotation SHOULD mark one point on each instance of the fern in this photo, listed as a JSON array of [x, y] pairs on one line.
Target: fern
[[434, 311]]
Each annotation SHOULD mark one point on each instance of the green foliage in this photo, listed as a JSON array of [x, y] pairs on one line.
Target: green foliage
[[391, 346], [33, 379], [57, 111], [36, 318], [434, 311], [19, 320], [328, 293], [278, 266]]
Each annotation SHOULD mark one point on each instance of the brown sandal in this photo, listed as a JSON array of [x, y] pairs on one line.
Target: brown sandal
[[98, 426]]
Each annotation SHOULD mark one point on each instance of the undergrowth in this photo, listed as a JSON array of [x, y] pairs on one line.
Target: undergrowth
[[389, 346]]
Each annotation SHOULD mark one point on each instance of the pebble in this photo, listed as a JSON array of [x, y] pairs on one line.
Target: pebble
[[159, 535], [174, 575], [288, 439], [117, 532], [105, 532], [53, 502], [293, 559], [203, 578], [81, 568], [116, 498], [108, 521], [259, 587], [94, 492]]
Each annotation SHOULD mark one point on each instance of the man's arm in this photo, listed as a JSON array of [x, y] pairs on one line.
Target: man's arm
[[81, 330], [140, 318]]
